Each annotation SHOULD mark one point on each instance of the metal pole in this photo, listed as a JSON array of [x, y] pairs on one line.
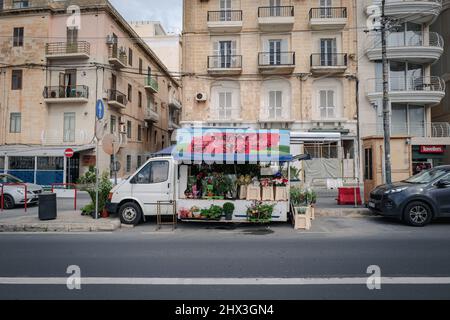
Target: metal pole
[[96, 147], [386, 107]]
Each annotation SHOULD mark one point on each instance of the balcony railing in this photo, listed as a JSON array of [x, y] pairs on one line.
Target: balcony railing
[[151, 83], [276, 11], [328, 60], [20, 4], [117, 96], [225, 62], [417, 129], [276, 58], [328, 13], [119, 55], [62, 48], [225, 15], [398, 84], [410, 39], [225, 114], [63, 92]]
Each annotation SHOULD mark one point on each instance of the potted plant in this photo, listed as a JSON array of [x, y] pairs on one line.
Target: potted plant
[[260, 212], [228, 209]]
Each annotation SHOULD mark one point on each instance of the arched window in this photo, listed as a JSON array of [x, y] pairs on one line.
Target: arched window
[[225, 100], [275, 100], [327, 99]]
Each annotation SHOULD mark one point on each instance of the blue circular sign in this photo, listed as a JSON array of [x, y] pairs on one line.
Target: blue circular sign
[[100, 109]]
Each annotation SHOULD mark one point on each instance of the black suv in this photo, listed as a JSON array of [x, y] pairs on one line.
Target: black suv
[[417, 200]]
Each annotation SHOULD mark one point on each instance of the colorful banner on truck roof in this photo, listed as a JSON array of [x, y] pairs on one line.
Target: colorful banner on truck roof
[[210, 145]]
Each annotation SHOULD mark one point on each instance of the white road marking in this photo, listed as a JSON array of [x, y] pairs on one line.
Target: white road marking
[[226, 281]]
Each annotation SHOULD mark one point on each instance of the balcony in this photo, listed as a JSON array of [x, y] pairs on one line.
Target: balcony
[[151, 115], [66, 94], [118, 59], [225, 65], [225, 115], [414, 47], [275, 115], [117, 99], [419, 11], [328, 63], [276, 18], [68, 50], [276, 62], [328, 18], [173, 124], [421, 90], [225, 21], [175, 104], [151, 84]]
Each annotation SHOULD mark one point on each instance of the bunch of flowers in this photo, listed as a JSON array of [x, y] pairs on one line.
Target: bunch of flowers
[[244, 180]]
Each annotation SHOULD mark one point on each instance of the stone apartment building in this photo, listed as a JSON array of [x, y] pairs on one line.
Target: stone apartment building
[[414, 92], [51, 75], [281, 64]]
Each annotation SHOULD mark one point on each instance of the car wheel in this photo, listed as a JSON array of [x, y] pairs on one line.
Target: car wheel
[[130, 213], [8, 202], [417, 214]]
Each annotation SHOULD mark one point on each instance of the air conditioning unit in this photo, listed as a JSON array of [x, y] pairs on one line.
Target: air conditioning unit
[[200, 97]]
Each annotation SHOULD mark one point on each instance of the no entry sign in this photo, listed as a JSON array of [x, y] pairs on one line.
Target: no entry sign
[[69, 153]]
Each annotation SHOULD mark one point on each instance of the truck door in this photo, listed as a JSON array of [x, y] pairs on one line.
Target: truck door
[[153, 183]]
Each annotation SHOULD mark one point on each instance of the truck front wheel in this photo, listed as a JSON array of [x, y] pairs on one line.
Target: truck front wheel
[[130, 213]]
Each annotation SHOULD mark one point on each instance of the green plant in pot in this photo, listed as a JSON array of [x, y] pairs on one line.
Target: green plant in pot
[[228, 209]]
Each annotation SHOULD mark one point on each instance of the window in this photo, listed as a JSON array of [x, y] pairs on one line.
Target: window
[[113, 124], [326, 9], [139, 135], [69, 127], [140, 66], [408, 120], [72, 39], [16, 80], [15, 122], [139, 161], [129, 129], [50, 163], [130, 92], [368, 169], [128, 163], [328, 56], [275, 104], [130, 56], [140, 99], [225, 8], [225, 108], [153, 172], [18, 37], [21, 163], [327, 107]]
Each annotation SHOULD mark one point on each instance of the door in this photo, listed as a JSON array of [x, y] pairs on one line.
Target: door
[[325, 9], [225, 8], [70, 82], [115, 48], [153, 183], [274, 52], [328, 52], [442, 196], [225, 54], [275, 8]]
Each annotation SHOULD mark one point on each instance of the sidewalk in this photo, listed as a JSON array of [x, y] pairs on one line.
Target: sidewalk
[[328, 207], [67, 221]]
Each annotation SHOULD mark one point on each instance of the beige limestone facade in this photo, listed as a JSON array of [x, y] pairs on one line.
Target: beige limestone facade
[[57, 58], [274, 64]]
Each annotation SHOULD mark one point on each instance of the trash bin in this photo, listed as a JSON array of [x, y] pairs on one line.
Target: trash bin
[[47, 206]]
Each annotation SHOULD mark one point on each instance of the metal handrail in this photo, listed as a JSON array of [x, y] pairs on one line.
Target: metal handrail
[[152, 82], [419, 39], [286, 58], [276, 11], [58, 92], [116, 95], [328, 13], [224, 15], [55, 48], [411, 83], [328, 59], [224, 61]]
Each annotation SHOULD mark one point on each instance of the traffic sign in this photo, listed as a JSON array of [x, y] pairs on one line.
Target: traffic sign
[[68, 153], [100, 109]]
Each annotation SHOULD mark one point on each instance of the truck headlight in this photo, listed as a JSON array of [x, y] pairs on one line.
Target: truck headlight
[[396, 190]]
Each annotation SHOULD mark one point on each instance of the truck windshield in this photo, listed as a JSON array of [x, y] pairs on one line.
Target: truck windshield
[[427, 176]]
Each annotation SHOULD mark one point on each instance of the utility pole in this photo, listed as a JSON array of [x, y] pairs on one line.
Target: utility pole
[[386, 107]]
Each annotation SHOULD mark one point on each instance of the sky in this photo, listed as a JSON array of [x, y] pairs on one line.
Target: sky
[[169, 12]]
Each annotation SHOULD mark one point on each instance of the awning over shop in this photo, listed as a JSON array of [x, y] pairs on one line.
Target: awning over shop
[[39, 151]]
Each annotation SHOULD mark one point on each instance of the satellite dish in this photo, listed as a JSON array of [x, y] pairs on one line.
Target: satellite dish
[[111, 144]]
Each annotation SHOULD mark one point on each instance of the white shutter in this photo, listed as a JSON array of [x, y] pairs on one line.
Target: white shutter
[[331, 107], [285, 57], [234, 58], [215, 63]]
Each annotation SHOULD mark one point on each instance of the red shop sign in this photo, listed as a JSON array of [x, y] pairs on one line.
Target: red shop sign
[[432, 149]]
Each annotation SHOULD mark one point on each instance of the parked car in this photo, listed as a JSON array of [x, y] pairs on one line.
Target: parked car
[[417, 200], [15, 194]]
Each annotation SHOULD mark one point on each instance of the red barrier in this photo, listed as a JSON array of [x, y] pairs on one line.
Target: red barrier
[[12, 185], [74, 185], [349, 196]]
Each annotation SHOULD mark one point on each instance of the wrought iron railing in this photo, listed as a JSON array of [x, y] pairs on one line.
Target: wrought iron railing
[[328, 13], [57, 48], [225, 15], [117, 96], [328, 60], [276, 58], [152, 82], [224, 62], [276, 11], [61, 92]]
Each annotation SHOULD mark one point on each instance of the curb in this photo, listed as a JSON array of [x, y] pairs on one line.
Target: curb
[[345, 213], [67, 227]]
